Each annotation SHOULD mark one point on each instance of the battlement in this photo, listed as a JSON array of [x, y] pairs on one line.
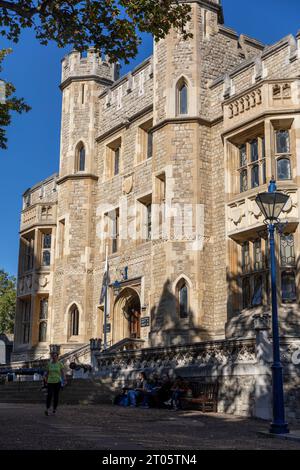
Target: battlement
[[77, 66]]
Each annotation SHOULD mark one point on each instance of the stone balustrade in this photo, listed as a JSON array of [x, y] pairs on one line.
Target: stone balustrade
[[38, 214]]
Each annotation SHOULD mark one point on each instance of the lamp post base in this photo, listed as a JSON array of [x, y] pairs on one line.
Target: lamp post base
[[279, 428]]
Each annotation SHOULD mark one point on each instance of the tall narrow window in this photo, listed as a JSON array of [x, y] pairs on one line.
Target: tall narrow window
[[145, 141], [288, 287], [43, 317], [29, 253], [245, 257], [246, 292], [257, 255], [287, 250], [284, 169], [283, 155], [149, 144], [252, 164], [62, 227], [116, 161], [183, 298], [182, 92], [115, 231], [26, 310], [257, 292], [282, 142], [149, 220], [46, 249], [81, 159], [74, 321], [82, 93]]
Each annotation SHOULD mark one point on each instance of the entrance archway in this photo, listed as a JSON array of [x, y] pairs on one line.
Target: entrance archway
[[126, 316]]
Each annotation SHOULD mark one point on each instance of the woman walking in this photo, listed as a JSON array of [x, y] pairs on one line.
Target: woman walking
[[54, 377]]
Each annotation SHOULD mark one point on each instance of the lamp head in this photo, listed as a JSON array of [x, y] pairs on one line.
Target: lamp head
[[271, 203]]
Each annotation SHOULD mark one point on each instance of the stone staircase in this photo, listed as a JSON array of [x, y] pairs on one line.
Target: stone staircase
[[77, 392]]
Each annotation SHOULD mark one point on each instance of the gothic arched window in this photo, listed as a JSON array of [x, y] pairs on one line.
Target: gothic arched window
[[182, 97], [182, 291], [80, 158], [74, 321]]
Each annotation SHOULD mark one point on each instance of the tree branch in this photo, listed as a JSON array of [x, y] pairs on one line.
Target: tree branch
[[25, 13]]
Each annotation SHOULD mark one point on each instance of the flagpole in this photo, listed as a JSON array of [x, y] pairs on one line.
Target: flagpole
[[105, 298]]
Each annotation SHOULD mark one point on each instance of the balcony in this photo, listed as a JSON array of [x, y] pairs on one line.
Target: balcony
[[245, 217], [270, 96], [38, 214]]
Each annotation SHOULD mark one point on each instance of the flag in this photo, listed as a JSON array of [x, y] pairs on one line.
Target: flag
[[105, 281]]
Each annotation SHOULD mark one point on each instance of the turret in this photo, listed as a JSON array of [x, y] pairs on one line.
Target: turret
[[90, 66]]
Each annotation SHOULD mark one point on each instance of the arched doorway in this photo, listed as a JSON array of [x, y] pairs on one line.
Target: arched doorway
[[127, 316]]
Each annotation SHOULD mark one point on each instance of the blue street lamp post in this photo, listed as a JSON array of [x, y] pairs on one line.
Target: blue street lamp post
[[271, 204]]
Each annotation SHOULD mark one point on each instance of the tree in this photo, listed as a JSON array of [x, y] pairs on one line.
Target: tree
[[111, 26], [8, 103], [7, 302]]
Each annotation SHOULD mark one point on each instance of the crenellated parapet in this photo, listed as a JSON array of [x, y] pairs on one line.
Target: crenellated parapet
[[77, 66]]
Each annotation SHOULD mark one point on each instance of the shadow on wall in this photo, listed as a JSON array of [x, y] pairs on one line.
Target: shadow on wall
[[169, 327], [240, 321]]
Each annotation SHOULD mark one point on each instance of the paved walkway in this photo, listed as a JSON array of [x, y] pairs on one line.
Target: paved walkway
[[106, 427]]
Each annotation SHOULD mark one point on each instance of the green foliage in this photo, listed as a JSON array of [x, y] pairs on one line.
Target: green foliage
[[111, 26], [9, 104], [7, 302]]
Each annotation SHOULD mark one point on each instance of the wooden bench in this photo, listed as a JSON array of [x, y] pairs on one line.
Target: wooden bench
[[204, 397]]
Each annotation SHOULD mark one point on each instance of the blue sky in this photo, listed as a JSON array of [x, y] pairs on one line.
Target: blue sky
[[34, 137]]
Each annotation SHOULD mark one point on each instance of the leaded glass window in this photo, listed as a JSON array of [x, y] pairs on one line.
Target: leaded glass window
[[257, 297], [288, 287], [254, 150], [243, 155], [245, 257], [46, 247], [183, 301], [44, 309], [255, 176], [287, 250], [252, 164], [282, 142], [246, 292], [284, 169], [42, 331], [257, 255], [243, 181], [82, 159], [183, 98]]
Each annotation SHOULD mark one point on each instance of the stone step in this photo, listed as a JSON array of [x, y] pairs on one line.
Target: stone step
[[77, 392]]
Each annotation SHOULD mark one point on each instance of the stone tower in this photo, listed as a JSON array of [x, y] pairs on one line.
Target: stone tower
[[84, 77], [185, 163]]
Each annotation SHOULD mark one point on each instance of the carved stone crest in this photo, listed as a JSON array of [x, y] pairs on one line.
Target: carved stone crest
[[128, 184]]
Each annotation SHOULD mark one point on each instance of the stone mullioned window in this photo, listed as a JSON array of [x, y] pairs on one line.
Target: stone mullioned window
[[254, 278]]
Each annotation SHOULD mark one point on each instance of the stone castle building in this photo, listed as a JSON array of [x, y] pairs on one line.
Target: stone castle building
[[162, 167]]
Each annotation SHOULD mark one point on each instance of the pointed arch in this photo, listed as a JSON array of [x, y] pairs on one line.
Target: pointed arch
[[80, 157], [182, 97], [182, 287], [126, 315], [73, 320]]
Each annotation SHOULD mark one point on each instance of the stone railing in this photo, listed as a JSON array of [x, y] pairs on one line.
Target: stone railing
[[39, 214], [244, 214], [267, 96], [208, 354]]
